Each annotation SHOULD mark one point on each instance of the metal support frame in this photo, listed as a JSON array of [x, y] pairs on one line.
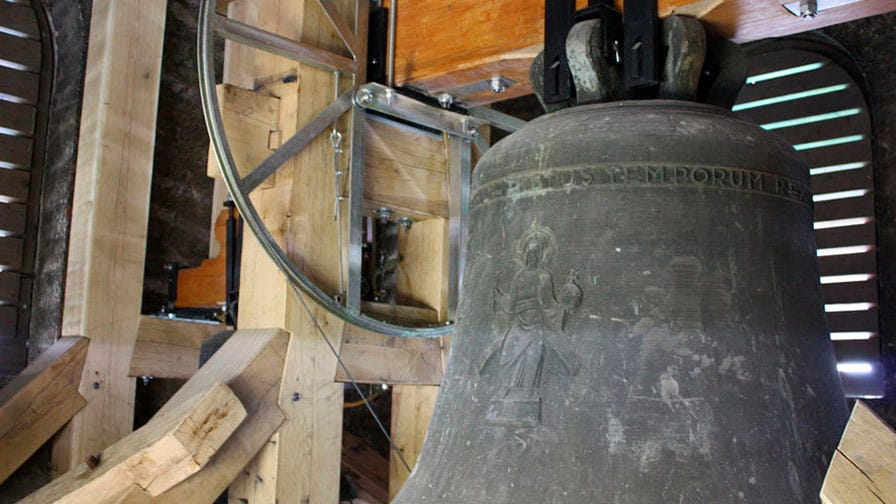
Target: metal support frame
[[459, 173], [463, 132]]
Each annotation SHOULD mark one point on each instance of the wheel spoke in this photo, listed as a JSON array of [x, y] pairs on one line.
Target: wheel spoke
[[297, 142], [342, 28], [281, 46]]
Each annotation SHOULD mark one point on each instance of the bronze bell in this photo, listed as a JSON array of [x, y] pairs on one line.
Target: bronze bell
[[641, 319]]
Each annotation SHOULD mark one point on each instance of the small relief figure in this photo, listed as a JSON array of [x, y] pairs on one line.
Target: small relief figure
[[529, 320]]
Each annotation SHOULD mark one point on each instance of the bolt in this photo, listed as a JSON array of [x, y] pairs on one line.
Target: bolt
[[446, 100], [146, 380], [405, 222], [808, 9], [92, 461], [390, 95], [96, 385], [383, 214], [497, 85], [364, 97], [296, 397]]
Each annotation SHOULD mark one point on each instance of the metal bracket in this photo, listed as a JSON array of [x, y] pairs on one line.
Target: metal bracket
[[386, 100]]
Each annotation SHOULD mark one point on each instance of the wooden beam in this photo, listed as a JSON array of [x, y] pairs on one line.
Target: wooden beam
[[367, 467], [109, 217], [500, 38], [175, 444], [168, 348], [302, 462], [251, 363], [375, 358], [38, 402], [412, 408], [863, 469]]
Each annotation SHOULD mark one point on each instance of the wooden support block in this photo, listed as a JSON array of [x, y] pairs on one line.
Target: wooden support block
[[412, 408], [405, 169], [39, 401], [863, 469], [251, 363], [169, 348], [109, 217], [249, 118], [374, 358], [175, 444]]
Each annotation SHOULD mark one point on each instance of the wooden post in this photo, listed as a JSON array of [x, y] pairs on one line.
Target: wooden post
[[109, 219], [38, 402], [301, 464]]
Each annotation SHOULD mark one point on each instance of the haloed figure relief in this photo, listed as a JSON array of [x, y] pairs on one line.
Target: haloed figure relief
[[529, 320]]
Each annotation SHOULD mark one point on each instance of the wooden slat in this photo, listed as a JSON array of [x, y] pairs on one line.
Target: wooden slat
[[9, 287], [840, 181], [842, 209], [834, 128], [778, 59], [863, 467], [168, 348], [20, 18], [820, 104], [19, 84], [858, 350], [851, 292], [848, 264], [109, 216], [20, 51], [14, 184], [8, 317], [11, 252], [843, 153], [18, 117], [825, 76], [251, 363], [12, 217], [176, 443], [39, 401], [15, 151], [853, 321], [845, 236], [406, 169]]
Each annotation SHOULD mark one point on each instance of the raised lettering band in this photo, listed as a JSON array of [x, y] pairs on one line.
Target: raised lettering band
[[643, 175]]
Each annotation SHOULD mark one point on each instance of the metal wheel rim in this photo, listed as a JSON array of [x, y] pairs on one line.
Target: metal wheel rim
[[217, 136]]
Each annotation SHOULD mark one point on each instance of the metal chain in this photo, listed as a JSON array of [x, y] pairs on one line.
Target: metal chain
[[351, 378]]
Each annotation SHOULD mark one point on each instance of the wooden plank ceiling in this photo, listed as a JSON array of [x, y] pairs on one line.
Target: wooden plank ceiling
[[443, 45]]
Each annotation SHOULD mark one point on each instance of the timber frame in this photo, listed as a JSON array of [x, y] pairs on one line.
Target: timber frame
[[271, 397]]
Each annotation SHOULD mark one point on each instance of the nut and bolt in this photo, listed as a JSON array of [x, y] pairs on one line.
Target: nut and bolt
[[96, 385], [383, 214], [497, 85], [92, 461], [405, 222], [808, 9], [445, 100], [296, 397], [364, 97]]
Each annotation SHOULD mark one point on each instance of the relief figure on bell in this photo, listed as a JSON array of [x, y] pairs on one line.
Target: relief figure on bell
[[529, 320]]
